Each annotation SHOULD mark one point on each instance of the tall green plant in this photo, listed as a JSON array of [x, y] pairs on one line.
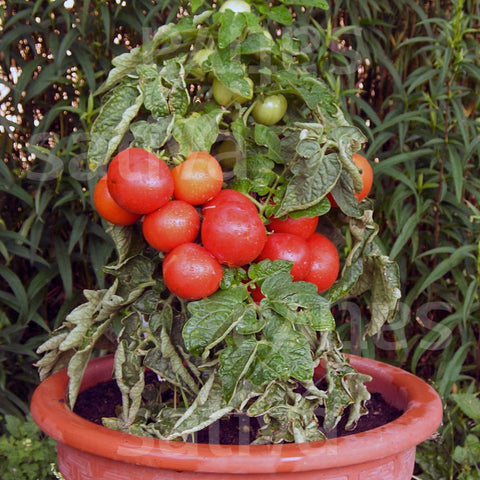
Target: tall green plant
[[51, 242], [412, 88]]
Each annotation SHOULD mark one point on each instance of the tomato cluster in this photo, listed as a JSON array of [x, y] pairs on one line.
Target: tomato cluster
[[315, 258], [200, 226]]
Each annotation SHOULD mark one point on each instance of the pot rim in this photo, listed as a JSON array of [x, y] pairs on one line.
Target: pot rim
[[422, 416]]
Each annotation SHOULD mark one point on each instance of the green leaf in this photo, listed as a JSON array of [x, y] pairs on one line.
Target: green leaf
[[231, 27], [155, 94], [112, 123], [267, 137], [198, 132], [256, 43], [283, 354], [235, 360], [469, 404], [313, 177], [213, 318], [124, 65], [280, 14], [323, 4], [18, 289], [152, 135], [231, 72], [64, 265], [469, 453]]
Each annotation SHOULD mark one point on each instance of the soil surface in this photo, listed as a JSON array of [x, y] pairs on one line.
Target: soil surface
[[105, 399]]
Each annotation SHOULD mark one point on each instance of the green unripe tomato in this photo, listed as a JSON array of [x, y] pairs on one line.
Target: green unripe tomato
[[224, 96], [236, 6], [228, 154], [269, 110]]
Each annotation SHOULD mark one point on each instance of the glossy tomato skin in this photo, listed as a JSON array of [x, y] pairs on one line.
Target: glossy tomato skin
[[108, 208], [234, 234], [139, 181], [228, 195], [197, 179], [191, 272], [175, 223], [303, 226], [325, 262], [287, 246], [270, 110]]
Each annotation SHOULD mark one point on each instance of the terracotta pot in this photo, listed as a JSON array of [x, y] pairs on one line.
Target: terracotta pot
[[87, 451]]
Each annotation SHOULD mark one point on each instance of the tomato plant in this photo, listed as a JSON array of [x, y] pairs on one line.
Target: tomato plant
[[287, 246], [270, 109], [224, 96], [175, 223], [191, 272], [139, 181], [325, 262], [303, 226], [108, 208], [197, 179], [228, 195], [233, 233]]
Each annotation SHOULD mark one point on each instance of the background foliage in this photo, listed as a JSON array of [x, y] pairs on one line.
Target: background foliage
[[408, 75]]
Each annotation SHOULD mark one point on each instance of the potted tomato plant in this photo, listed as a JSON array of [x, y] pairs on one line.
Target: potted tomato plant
[[232, 179]]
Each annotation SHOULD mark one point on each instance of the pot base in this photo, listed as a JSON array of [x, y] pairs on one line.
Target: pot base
[[77, 465]]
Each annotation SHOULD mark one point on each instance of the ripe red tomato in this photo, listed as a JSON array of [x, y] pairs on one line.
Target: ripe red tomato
[[108, 208], [303, 226], [325, 262], [234, 234], [228, 195], [175, 223], [198, 179], [190, 272], [139, 181], [287, 246]]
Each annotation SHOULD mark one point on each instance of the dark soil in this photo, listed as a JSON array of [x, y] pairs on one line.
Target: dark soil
[[105, 399]]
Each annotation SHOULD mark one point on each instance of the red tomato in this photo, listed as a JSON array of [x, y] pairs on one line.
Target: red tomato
[[139, 181], [228, 196], [287, 246], [256, 293], [175, 223], [190, 272], [233, 234], [108, 208], [325, 262], [198, 179], [304, 226]]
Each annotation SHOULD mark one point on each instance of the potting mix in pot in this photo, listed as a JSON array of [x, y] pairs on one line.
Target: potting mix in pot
[[236, 194]]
